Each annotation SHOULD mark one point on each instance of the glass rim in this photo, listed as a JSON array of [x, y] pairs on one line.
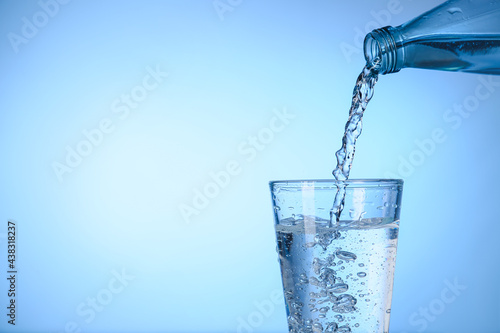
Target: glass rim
[[375, 182]]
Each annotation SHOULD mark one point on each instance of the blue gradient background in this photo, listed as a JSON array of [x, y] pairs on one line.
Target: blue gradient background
[[119, 210]]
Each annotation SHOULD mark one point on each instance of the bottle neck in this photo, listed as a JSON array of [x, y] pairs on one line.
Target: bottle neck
[[385, 44]]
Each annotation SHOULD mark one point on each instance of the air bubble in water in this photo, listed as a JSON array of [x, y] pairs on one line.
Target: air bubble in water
[[326, 239], [314, 281], [344, 304], [344, 255], [317, 327], [344, 329], [327, 276], [339, 288], [331, 327], [361, 274]]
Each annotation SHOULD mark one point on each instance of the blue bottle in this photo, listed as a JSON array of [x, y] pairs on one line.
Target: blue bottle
[[458, 35]]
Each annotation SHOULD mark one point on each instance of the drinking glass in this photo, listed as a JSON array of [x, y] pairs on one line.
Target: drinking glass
[[337, 274]]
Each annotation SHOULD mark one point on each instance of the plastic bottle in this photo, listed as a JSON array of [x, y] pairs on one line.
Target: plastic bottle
[[458, 35]]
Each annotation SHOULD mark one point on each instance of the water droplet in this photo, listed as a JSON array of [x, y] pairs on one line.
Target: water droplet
[[324, 309], [388, 311], [356, 325], [361, 265], [361, 274], [347, 256], [454, 10]]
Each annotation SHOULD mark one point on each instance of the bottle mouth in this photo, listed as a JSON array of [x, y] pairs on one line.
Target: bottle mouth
[[380, 43]]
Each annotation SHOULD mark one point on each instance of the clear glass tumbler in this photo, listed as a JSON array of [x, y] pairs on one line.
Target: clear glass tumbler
[[337, 276]]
